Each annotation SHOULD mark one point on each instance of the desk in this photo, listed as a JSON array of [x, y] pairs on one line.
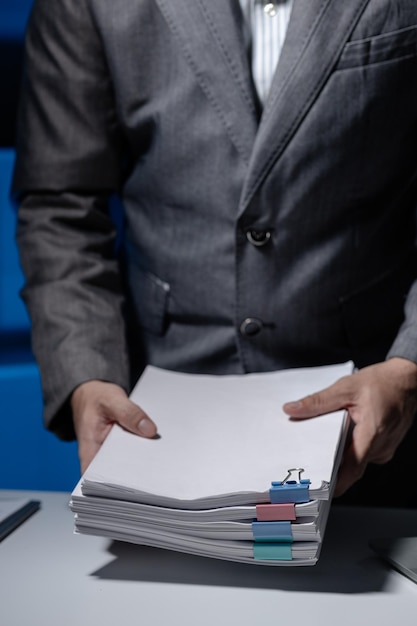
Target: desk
[[51, 577]]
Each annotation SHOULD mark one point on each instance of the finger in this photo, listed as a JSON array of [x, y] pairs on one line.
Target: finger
[[90, 435], [364, 440], [383, 452], [87, 450], [337, 396], [356, 457], [131, 417], [350, 471]]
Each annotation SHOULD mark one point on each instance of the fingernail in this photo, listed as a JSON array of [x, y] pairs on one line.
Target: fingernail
[[146, 427], [293, 406]]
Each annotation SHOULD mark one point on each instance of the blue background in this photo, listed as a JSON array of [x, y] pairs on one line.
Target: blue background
[[30, 457]]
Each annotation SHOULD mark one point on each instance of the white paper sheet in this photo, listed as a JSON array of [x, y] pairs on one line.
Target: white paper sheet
[[220, 435]]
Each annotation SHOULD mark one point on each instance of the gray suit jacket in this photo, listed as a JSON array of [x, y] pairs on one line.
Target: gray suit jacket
[[251, 242]]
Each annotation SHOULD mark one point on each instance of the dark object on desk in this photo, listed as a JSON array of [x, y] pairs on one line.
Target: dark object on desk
[[400, 553], [15, 515]]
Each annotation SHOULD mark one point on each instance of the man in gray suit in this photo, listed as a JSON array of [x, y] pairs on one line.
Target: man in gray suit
[[255, 238]]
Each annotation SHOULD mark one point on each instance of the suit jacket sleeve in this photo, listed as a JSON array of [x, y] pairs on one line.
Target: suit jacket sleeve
[[68, 162], [405, 344]]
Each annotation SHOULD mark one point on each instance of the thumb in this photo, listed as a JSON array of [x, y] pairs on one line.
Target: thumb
[[131, 417], [337, 396]]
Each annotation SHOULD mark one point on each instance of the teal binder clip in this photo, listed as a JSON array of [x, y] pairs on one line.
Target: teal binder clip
[[272, 552], [271, 532], [290, 490]]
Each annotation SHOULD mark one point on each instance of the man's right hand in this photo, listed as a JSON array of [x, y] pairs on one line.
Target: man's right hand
[[96, 406]]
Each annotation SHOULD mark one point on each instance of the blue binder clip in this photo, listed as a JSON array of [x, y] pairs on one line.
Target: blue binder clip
[[289, 489], [272, 532]]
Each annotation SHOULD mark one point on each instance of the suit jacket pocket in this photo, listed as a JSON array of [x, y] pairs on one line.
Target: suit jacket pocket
[[381, 48], [150, 298], [373, 315]]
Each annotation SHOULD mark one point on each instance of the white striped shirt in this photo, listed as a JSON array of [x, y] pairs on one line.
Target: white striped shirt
[[266, 35]]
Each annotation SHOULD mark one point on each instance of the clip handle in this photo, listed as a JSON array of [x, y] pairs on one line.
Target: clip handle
[[270, 8], [289, 476]]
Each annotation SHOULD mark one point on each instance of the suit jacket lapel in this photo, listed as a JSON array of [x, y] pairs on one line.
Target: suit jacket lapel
[[317, 32], [211, 36]]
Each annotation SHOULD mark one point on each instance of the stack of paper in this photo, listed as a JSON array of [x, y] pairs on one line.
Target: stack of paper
[[204, 485]]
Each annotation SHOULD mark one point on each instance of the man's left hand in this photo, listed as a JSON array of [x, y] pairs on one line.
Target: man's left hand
[[381, 401]]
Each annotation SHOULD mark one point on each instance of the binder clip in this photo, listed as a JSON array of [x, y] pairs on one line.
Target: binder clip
[[290, 489], [272, 532], [272, 552], [276, 512]]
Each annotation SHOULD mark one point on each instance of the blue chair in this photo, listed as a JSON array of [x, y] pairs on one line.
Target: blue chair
[[13, 316], [13, 18], [30, 457]]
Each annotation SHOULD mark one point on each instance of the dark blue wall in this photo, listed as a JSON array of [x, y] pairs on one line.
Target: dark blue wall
[[30, 457]]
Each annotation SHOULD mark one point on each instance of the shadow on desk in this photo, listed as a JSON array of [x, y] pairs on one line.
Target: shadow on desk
[[346, 565]]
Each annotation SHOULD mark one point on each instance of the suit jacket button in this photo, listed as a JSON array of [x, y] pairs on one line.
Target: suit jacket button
[[251, 326], [258, 237]]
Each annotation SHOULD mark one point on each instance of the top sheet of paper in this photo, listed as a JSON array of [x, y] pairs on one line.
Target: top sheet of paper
[[221, 435]]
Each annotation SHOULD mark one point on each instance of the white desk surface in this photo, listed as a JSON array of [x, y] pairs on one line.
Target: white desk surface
[[51, 577]]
